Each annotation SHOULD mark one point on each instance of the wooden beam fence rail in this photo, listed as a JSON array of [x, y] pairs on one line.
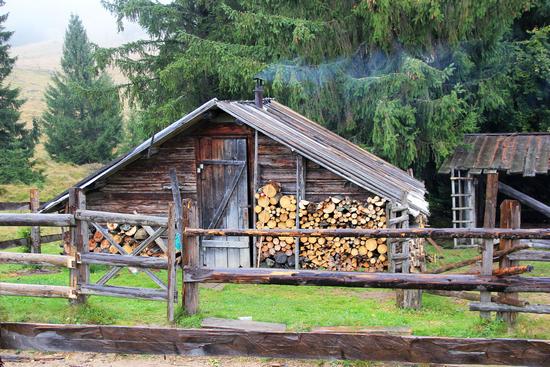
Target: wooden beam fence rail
[[133, 219], [498, 307], [306, 345], [435, 233], [37, 219], [124, 292], [464, 282], [37, 290], [530, 255], [125, 260], [27, 241], [37, 259]]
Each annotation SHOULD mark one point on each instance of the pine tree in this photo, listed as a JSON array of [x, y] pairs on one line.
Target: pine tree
[[83, 120], [16, 142]]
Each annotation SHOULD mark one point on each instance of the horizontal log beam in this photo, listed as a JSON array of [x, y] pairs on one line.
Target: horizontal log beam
[[210, 342], [125, 292], [463, 282], [36, 219], [36, 290], [36, 259], [124, 260], [26, 241], [524, 199], [476, 297], [497, 307], [539, 233], [530, 255], [108, 217]]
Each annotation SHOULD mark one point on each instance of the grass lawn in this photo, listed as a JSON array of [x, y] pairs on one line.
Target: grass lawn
[[300, 308]]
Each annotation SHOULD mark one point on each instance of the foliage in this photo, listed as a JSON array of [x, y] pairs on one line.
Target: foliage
[[405, 79], [83, 118], [16, 142]]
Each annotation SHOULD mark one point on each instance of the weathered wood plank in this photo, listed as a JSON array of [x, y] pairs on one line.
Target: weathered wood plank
[[26, 241], [34, 219], [190, 247], [34, 202], [350, 346], [497, 307], [125, 292], [374, 280], [134, 219], [530, 255], [245, 325], [36, 290], [171, 262], [489, 220], [488, 233], [385, 330], [125, 260], [36, 259]]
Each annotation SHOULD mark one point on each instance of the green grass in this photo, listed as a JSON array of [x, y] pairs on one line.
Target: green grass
[[300, 308]]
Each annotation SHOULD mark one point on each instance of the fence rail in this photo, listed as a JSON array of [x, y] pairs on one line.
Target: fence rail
[[27, 241], [307, 345], [36, 219], [37, 259]]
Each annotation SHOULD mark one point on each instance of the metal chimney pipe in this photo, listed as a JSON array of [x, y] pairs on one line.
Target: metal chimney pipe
[[259, 92]]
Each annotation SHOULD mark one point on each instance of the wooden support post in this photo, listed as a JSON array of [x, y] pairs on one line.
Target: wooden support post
[[190, 248], [255, 184], [489, 219], [300, 195], [171, 255], [510, 217], [34, 204], [80, 275]]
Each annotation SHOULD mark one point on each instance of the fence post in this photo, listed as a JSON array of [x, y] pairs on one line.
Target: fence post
[[489, 219], [190, 254], [171, 254], [34, 204], [80, 275], [510, 217]]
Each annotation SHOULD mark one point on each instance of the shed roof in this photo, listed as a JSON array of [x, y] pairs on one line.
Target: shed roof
[[300, 134], [514, 153]]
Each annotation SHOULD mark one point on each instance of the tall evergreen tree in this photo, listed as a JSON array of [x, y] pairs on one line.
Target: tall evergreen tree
[[16, 142], [83, 120]]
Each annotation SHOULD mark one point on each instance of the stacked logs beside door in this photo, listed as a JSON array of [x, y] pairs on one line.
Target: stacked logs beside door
[[344, 253], [274, 210], [125, 235]]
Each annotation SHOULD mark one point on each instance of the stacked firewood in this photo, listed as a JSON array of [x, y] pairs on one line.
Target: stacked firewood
[[343, 253], [275, 210], [125, 235]]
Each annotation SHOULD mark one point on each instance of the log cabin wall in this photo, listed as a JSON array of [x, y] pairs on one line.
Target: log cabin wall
[[143, 186]]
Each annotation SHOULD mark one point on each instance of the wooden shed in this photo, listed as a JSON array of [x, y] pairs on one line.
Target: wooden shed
[[223, 152], [520, 162]]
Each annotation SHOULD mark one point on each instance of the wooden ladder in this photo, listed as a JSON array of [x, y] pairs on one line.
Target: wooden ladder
[[463, 207]]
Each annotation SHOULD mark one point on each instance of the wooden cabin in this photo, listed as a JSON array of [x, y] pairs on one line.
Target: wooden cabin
[[223, 152], [521, 162]]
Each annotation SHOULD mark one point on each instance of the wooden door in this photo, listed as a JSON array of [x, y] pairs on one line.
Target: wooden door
[[223, 195]]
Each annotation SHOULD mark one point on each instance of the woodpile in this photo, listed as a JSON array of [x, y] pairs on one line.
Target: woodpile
[[274, 210], [125, 235], [343, 253]]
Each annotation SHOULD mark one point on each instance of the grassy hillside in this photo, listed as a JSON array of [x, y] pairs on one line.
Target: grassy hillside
[[34, 67]]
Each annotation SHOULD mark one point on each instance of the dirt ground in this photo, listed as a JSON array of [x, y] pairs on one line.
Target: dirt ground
[[28, 359]]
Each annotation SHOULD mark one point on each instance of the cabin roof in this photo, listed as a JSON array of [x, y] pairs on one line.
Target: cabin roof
[[301, 135], [514, 153]]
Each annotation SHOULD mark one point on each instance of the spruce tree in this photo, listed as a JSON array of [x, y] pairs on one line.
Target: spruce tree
[[83, 119], [404, 78], [16, 142]]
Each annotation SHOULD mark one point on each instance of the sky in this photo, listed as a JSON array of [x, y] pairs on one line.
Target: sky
[[37, 21]]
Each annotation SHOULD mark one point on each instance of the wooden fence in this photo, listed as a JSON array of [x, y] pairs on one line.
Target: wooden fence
[[78, 220]]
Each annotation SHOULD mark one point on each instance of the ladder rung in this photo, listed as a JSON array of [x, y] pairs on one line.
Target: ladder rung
[[463, 208], [461, 194], [462, 221], [461, 178]]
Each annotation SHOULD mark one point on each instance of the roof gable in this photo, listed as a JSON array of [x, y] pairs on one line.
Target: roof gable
[[300, 134]]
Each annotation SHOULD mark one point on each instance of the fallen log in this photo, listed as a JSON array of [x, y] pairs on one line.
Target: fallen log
[[373, 280], [346, 346], [488, 233], [460, 264], [496, 307]]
